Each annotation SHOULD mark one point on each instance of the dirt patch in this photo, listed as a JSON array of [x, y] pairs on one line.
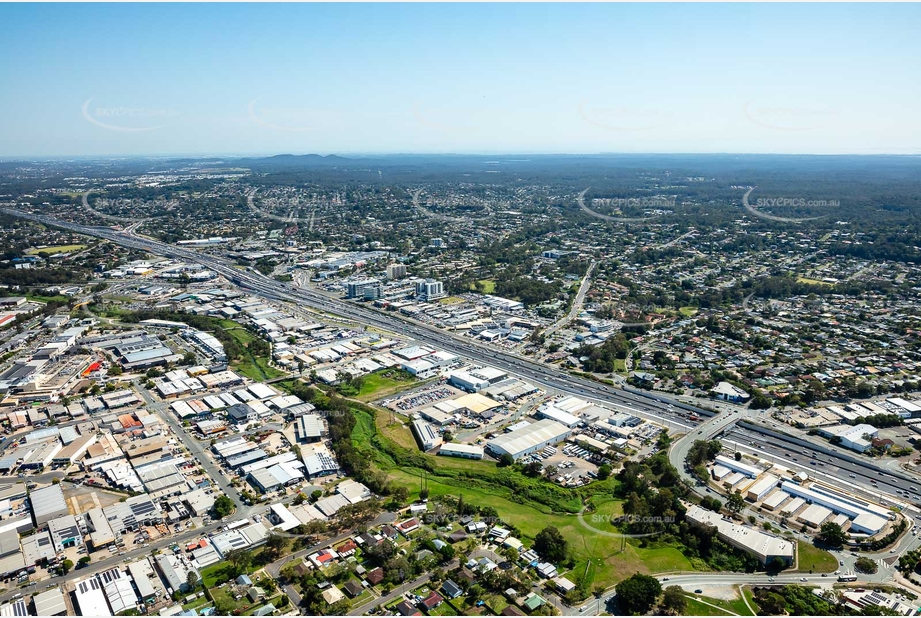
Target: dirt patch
[[724, 593], [81, 499]]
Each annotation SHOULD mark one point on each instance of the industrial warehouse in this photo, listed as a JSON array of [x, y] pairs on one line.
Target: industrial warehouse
[[530, 439], [796, 497]]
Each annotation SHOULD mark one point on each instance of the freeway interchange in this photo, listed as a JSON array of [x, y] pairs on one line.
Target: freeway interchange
[[818, 458], [655, 407]]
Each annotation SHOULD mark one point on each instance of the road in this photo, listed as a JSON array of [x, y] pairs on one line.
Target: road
[[581, 201], [831, 464], [652, 406], [274, 569], [196, 448], [100, 564], [638, 402], [576, 303]]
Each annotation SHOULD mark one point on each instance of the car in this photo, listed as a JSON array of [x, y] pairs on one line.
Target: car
[[583, 608], [853, 476], [841, 562], [803, 579], [824, 574], [770, 579], [698, 591], [665, 579]]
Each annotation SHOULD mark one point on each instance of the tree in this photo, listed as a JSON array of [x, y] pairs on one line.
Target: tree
[[832, 535], [275, 545], [735, 503], [191, 580], [637, 594], [400, 494], [738, 456], [673, 600], [223, 506], [772, 604], [533, 469], [84, 560], [66, 565], [776, 565], [315, 495], [866, 565], [550, 545], [505, 460], [241, 559], [604, 471]]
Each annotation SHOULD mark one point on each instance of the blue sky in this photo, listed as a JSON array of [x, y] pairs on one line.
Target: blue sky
[[136, 79]]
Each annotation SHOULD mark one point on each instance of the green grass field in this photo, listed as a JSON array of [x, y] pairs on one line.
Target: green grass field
[[687, 311], [253, 367], [812, 281], [601, 557], [257, 369], [57, 249], [489, 286], [377, 385], [450, 300], [815, 559], [443, 610], [607, 563], [223, 596], [736, 606], [198, 603], [696, 608], [47, 299]]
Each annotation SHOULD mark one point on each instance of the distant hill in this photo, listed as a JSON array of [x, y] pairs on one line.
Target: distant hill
[[294, 161]]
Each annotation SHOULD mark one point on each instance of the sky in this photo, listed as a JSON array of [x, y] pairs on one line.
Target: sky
[[249, 79]]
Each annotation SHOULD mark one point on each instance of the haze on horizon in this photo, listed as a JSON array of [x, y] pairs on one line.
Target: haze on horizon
[[167, 79]]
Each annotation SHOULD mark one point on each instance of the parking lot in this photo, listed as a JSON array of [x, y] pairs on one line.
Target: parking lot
[[421, 398]]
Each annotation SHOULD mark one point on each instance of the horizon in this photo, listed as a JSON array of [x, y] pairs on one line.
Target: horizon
[[368, 155], [196, 80]]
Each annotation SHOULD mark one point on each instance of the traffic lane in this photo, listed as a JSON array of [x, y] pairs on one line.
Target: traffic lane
[[101, 564], [829, 451], [278, 291], [824, 467], [777, 447], [194, 447]]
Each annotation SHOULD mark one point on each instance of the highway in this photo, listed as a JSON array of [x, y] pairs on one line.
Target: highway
[[656, 406], [638, 402], [833, 467]]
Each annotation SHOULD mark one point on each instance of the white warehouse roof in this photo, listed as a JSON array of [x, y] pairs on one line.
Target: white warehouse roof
[[528, 437]]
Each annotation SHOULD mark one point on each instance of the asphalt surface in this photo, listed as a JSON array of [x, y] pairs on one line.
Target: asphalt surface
[[829, 466], [651, 406], [196, 448], [550, 377]]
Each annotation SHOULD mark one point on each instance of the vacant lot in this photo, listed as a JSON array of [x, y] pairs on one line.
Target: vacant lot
[[811, 558], [57, 249]]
